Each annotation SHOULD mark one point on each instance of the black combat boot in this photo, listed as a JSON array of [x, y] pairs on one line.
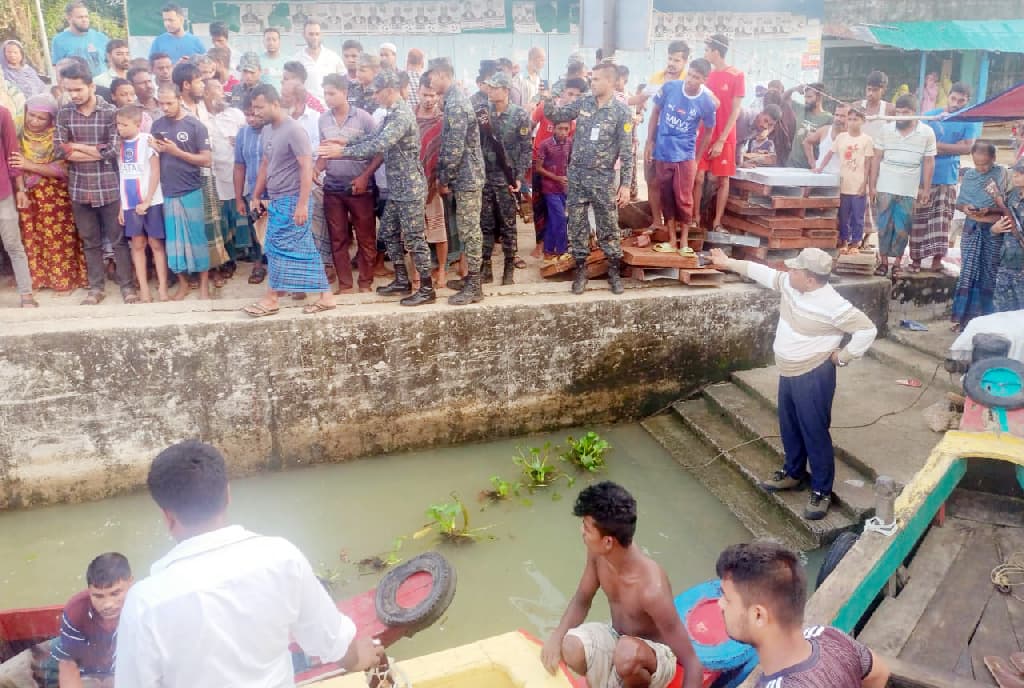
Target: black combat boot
[[470, 292], [508, 276], [613, 276], [425, 294], [400, 285], [579, 282], [486, 271]]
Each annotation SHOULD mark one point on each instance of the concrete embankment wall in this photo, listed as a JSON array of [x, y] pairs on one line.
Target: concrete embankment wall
[[86, 404]]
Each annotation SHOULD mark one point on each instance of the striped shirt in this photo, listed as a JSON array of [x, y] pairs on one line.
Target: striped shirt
[[902, 157], [83, 638], [92, 182], [811, 324]]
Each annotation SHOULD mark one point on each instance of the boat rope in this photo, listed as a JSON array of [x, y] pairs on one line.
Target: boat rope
[[387, 676], [920, 395], [875, 525], [1010, 575]]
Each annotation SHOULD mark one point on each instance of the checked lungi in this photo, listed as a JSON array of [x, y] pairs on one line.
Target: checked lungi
[[185, 227], [979, 261], [211, 222], [295, 264], [930, 234]]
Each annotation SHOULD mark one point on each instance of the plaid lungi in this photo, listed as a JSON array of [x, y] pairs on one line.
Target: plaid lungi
[[294, 262], [211, 218], [318, 225], [979, 262], [187, 248], [930, 233]]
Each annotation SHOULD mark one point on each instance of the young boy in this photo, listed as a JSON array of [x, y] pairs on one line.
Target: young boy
[[85, 650], [142, 210], [123, 93], [553, 159], [854, 148]]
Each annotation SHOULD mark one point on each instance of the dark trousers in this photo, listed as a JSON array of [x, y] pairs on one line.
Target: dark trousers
[[94, 225], [345, 214], [805, 415]]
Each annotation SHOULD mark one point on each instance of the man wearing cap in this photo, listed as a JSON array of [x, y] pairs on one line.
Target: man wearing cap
[[604, 135], [813, 318], [506, 140], [249, 69], [481, 100], [460, 169], [403, 221], [388, 53]]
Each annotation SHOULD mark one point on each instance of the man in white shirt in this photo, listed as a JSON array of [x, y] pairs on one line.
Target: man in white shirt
[[318, 60], [222, 606], [813, 318]]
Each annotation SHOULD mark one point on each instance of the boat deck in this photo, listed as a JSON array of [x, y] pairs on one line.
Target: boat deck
[[949, 616]]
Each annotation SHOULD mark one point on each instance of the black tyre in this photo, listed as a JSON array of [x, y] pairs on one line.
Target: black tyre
[[430, 609], [980, 376], [842, 544]]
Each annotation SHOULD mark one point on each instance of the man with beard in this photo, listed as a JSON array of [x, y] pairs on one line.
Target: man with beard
[[79, 40], [141, 80], [764, 588], [808, 119], [271, 62], [118, 60], [903, 166], [318, 60], [175, 41]]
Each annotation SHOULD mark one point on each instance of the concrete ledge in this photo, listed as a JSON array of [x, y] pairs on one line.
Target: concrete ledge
[[88, 400]]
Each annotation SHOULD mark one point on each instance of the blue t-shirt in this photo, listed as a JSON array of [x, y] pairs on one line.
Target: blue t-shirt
[[679, 122], [248, 152], [947, 167], [177, 48], [90, 46]]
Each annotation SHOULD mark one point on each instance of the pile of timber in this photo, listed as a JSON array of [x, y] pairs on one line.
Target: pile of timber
[[688, 268], [779, 215], [862, 263]]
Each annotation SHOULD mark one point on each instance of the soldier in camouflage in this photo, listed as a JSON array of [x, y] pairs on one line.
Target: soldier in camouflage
[[481, 100], [604, 135], [360, 92], [460, 169], [507, 145], [403, 221]]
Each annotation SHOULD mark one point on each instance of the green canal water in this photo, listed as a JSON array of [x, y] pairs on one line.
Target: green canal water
[[519, 574]]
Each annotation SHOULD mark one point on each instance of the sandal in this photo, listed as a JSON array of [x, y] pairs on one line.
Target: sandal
[[93, 298], [686, 251], [318, 307], [519, 262], [882, 270], [29, 301], [130, 297], [258, 310], [218, 280], [913, 269], [258, 274], [664, 247]]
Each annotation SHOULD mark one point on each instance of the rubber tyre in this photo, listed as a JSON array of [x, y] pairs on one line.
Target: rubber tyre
[[972, 383], [430, 609], [842, 544]]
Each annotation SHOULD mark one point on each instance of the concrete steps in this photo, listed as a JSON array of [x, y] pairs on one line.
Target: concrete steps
[[756, 461], [913, 360], [723, 479]]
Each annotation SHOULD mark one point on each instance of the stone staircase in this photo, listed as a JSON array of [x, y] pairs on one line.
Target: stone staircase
[[728, 438]]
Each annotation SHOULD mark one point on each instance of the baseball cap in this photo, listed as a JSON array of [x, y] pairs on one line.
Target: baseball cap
[[499, 80], [386, 79], [249, 62], [813, 260]]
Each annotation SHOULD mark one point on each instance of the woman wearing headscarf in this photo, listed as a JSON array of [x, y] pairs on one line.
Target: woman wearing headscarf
[[54, 250], [18, 71]]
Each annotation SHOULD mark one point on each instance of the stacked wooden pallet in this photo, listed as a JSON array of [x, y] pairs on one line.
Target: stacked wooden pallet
[[785, 209]]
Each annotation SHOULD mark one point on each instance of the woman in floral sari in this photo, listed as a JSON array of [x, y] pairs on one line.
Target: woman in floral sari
[[54, 250]]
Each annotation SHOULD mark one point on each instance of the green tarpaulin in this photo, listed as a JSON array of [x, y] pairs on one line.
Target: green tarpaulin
[[1003, 36]]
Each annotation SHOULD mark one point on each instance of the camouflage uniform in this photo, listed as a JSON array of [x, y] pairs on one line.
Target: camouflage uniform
[[498, 214], [361, 97], [480, 101], [403, 221], [460, 167], [603, 135]]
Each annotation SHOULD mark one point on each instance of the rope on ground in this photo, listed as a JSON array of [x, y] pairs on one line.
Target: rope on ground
[[875, 525], [906, 408], [1010, 575]]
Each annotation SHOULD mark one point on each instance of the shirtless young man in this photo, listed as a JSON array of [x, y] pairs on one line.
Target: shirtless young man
[[646, 638]]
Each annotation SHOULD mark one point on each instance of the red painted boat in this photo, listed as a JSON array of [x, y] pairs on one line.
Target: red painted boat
[[20, 629]]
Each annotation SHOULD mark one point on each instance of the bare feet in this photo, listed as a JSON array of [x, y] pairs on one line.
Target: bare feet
[[346, 290], [537, 250], [183, 289]]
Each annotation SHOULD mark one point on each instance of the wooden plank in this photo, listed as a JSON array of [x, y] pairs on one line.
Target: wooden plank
[[821, 234], [949, 621], [649, 258], [909, 675], [1010, 540], [964, 667], [734, 205], [987, 508], [994, 636], [701, 278], [780, 202], [804, 242], [892, 624], [790, 222], [743, 225]]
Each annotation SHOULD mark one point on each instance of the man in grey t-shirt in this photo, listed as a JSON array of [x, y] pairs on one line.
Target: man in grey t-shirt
[[286, 173]]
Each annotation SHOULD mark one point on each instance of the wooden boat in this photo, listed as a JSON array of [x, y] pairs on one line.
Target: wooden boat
[[420, 590], [931, 598]]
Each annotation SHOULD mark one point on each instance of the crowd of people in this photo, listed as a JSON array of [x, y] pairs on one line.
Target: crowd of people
[[123, 632], [168, 168]]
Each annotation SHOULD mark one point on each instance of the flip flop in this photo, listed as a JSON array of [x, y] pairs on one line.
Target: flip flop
[[1017, 660], [1005, 674], [314, 308], [519, 262], [664, 247], [882, 270], [687, 251], [258, 310], [257, 275]]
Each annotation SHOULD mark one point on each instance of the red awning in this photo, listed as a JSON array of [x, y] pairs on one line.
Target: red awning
[[1005, 107]]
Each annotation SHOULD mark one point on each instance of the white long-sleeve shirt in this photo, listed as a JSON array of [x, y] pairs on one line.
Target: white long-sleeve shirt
[[811, 324], [219, 612]]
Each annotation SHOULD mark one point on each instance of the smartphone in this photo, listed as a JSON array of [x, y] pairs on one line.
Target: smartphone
[[159, 136]]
